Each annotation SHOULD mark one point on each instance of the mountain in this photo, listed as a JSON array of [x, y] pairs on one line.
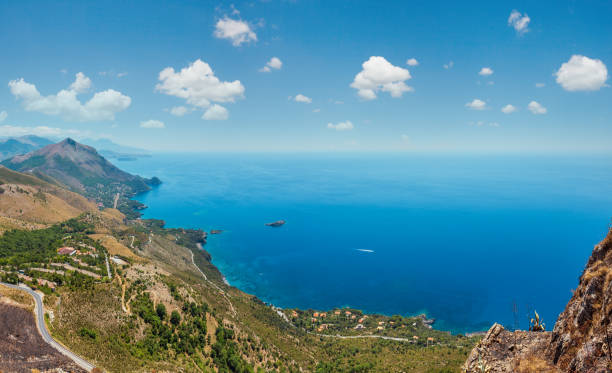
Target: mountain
[[12, 146], [581, 340], [80, 168]]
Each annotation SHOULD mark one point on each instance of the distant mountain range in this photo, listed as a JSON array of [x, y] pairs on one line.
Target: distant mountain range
[[79, 167], [12, 146], [110, 149]]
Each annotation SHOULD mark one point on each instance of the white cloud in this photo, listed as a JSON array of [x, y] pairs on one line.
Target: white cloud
[[519, 21], [508, 109], [540, 85], [152, 123], [7, 130], [3, 115], [405, 138], [448, 65], [102, 106], [179, 111], [412, 62], [342, 126], [274, 63], [380, 75], [476, 104], [536, 108], [301, 98], [199, 86], [485, 71], [81, 84], [112, 74], [581, 73], [216, 112], [317, 110], [237, 31]]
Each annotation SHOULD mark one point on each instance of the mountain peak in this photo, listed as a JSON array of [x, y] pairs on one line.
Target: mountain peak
[[68, 141]]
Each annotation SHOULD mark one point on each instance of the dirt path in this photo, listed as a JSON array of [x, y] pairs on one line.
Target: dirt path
[[213, 284], [116, 200]]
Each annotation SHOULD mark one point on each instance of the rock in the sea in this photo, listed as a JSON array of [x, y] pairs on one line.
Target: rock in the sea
[[276, 223]]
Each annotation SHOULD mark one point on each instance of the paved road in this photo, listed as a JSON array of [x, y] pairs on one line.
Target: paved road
[[42, 328]]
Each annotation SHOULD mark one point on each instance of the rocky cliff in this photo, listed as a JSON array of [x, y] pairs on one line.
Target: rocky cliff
[[581, 340]]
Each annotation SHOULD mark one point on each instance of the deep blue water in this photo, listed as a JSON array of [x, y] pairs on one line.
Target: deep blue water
[[461, 238]]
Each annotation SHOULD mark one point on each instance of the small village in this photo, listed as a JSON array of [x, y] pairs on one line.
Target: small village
[[347, 322]]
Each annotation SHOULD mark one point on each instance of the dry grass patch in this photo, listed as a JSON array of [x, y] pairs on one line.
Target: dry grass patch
[[533, 364], [113, 246], [41, 205], [16, 297]]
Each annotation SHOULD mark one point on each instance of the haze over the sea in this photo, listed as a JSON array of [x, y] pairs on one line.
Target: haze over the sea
[[459, 237]]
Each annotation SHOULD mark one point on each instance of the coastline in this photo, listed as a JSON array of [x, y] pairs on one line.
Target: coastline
[[428, 321]]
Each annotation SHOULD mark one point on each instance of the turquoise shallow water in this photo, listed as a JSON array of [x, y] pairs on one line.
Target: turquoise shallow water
[[461, 238]]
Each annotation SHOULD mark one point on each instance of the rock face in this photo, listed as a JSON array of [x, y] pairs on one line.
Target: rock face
[[582, 336], [581, 340]]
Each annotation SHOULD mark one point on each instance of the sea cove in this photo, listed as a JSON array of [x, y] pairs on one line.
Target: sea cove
[[461, 238]]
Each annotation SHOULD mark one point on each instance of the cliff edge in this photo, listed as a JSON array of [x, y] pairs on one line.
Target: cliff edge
[[581, 340]]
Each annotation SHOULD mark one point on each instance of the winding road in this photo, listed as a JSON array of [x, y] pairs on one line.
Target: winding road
[[42, 328]]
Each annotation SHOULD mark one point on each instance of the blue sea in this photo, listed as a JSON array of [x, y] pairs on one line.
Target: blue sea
[[464, 239]]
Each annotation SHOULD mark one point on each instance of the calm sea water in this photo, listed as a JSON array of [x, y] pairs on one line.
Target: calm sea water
[[462, 238]]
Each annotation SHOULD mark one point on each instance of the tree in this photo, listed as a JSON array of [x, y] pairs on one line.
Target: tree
[[161, 311], [175, 318]]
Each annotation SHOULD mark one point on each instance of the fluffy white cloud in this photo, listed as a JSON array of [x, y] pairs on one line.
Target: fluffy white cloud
[[412, 62], [3, 115], [301, 98], [274, 63], [380, 75], [179, 111], [199, 86], [102, 106], [485, 71], [237, 31], [448, 65], [81, 84], [342, 126], [581, 73], [152, 123], [508, 109], [216, 112], [540, 85], [519, 21], [476, 104], [536, 108], [7, 130]]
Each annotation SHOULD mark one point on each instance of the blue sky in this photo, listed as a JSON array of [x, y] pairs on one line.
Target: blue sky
[[555, 54]]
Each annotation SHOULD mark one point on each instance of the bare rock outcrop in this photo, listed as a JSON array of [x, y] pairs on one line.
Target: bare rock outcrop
[[505, 351]]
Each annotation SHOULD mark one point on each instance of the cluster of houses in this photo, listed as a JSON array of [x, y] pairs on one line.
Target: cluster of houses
[[357, 318]]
